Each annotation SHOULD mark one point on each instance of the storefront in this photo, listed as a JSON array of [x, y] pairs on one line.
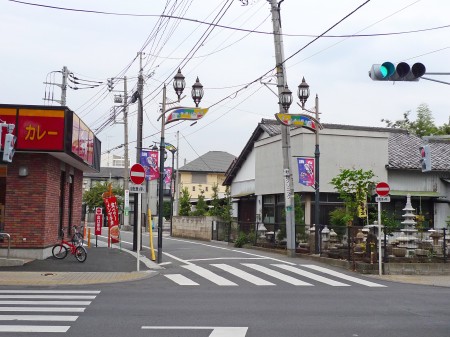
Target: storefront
[[41, 189]]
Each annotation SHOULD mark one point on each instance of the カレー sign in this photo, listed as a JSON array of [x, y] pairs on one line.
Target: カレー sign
[[112, 212]]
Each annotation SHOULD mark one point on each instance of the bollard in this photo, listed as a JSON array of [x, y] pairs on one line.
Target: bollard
[[89, 238], [84, 232]]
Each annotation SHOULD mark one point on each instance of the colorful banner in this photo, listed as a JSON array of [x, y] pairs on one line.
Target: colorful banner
[[299, 120], [306, 171], [149, 159], [112, 212], [191, 114], [167, 175]]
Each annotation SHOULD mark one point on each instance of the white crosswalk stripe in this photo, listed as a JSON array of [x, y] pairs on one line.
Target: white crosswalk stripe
[[50, 304], [343, 276], [266, 274]]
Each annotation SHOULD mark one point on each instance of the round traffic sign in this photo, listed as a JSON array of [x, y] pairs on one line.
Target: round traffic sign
[[382, 189], [137, 174]]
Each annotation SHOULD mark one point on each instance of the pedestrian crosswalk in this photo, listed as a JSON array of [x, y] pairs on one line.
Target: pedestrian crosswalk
[[266, 275], [44, 311]]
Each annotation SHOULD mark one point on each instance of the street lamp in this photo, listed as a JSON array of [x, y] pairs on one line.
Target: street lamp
[[197, 95], [286, 98], [303, 94]]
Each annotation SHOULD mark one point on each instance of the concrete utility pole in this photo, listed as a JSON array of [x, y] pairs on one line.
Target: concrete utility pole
[[285, 131], [137, 210], [63, 86], [126, 173]]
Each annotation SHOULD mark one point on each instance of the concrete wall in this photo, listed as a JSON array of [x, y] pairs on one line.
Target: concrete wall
[[193, 227]]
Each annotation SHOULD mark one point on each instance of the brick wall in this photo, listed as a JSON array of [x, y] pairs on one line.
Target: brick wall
[[32, 202]]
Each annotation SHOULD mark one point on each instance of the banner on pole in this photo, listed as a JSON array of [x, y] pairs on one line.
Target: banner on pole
[[149, 159], [112, 212], [306, 167]]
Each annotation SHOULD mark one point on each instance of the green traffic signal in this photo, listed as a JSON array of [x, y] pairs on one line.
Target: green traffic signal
[[400, 72]]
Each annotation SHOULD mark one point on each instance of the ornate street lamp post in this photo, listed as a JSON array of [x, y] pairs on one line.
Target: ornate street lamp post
[[197, 95]]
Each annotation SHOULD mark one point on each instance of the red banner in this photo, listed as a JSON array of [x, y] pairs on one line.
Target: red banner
[[98, 224], [112, 212]]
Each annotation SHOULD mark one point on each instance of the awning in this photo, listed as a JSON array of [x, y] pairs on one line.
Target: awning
[[415, 193]]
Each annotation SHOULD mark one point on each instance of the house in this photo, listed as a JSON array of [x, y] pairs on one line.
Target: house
[[200, 175], [257, 183]]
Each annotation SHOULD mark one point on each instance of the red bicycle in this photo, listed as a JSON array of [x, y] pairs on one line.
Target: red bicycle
[[60, 250]]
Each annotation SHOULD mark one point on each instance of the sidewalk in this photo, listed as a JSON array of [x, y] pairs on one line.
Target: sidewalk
[[103, 265]]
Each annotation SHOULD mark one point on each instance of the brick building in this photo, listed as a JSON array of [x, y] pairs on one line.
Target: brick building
[[41, 189]]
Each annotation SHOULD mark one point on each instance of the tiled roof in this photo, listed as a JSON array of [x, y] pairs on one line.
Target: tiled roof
[[404, 152], [212, 161]]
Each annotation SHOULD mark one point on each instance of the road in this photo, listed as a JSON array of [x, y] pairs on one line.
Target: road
[[209, 289]]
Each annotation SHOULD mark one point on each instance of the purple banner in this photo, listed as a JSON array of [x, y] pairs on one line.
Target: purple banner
[[149, 159], [306, 171], [167, 175]]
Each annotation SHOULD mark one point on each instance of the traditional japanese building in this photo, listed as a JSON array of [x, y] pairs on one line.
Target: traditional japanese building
[[41, 189]]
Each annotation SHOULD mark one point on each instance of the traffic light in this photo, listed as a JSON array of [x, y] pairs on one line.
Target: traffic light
[[8, 149], [110, 84], [425, 158], [400, 72]]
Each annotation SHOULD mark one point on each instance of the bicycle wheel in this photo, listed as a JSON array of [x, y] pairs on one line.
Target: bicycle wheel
[[80, 254], [77, 239], [59, 251]]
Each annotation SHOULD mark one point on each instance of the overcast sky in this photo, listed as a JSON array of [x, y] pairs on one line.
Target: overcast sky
[[37, 41]]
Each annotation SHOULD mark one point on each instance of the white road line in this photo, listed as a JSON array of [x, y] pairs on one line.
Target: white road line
[[277, 275], [228, 258], [311, 275], [60, 297], [41, 309], [181, 280], [216, 331], [33, 328], [49, 291], [57, 318], [343, 276], [243, 274], [219, 280], [46, 302]]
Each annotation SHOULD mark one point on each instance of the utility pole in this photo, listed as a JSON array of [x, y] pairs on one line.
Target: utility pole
[[285, 131], [137, 210], [63, 86], [126, 173]]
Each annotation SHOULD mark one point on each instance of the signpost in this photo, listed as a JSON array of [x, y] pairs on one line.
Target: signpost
[[382, 190], [98, 223], [137, 176]]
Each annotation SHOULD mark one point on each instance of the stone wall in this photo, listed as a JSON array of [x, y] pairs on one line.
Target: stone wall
[[193, 227]]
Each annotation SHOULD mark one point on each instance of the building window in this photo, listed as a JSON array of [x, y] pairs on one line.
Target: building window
[[199, 178]]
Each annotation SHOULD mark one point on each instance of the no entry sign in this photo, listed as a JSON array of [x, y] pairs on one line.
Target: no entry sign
[[137, 174], [382, 189]]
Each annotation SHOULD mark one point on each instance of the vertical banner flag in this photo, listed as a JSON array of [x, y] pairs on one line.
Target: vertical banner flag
[[167, 175], [112, 212], [149, 159], [306, 171]]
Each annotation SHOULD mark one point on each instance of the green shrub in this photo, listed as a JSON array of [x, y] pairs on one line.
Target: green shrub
[[241, 240]]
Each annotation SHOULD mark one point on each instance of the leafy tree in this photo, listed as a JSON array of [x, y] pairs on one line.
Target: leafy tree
[[423, 126], [227, 206], [93, 197], [353, 186], [216, 209], [166, 209], [185, 202], [201, 208]]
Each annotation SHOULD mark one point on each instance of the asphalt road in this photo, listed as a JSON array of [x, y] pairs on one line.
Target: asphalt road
[[194, 296]]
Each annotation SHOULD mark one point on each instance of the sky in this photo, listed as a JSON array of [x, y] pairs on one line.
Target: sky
[[233, 61]]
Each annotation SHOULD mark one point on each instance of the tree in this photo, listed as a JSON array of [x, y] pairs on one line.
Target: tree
[[93, 197], [167, 207], [185, 202], [216, 209], [227, 206], [201, 208], [423, 126], [353, 187]]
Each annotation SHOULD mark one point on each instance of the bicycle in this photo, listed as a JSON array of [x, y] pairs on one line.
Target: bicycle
[[77, 237], [60, 250]]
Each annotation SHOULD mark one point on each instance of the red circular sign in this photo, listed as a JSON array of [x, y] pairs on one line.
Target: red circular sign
[[382, 189], [137, 174]]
